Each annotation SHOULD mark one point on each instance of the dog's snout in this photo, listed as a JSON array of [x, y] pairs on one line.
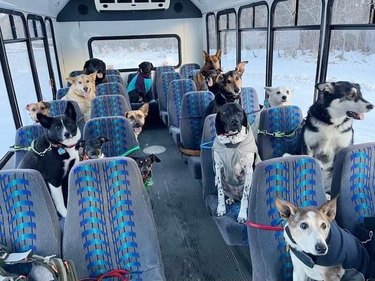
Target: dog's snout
[[284, 97], [369, 107], [85, 88], [321, 248], [67, 134]]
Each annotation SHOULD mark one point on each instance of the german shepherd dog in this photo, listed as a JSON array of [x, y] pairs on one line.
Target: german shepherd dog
[[205, 78], [329, 123], [227, 88]]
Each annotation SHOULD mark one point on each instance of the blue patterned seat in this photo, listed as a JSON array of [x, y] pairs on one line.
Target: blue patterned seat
[[61, 92], [158, 71], [28, 218], [177, 89], [296, 179], [193, 109], [186, 70], [113, 72], [354, 180], [58, 108], [75, 73], [24, 136], [250, 103], [115, 78], [117, 130], [165, 79], [109, 105], [110, 224], [112, 88], [285, 119]]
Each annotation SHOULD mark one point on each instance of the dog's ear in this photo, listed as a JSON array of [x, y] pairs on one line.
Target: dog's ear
[[205, 55], [144, 108], [218, 54], [240, 68], [126, 114], [102, 139], [80, 144], [326, 87], [329, 208], [93, 76], [285, 208], [244, 121], [44, 120], [154, 158], [219, 124], [268, 90], [46, 104], [28, 106], [70, 111], [72, 80]]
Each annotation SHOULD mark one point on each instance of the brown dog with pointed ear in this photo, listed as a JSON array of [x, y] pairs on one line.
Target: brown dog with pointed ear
[[205, 78], [137, 118], [38, 107]]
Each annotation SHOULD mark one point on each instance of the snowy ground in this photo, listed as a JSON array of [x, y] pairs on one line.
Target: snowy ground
[[297, 73]]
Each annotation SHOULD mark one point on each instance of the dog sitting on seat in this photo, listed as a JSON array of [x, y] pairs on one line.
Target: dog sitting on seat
[[41, 107], [91, 149], [206, 77], [98, 66], [235, 154], [137, 118], [320, 249]]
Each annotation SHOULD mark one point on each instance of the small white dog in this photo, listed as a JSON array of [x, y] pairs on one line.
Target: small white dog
[[275, 96]]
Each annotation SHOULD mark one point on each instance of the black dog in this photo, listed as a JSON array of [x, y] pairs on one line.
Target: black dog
[[54, 154], [227, 88], [145, 166], [145, 67], [140, 86], [91, 149], [97, 65]]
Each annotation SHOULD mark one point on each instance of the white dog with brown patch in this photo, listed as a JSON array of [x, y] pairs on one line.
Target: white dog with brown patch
[[319, 249]]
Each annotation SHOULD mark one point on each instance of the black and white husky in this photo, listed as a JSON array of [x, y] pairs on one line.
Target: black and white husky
[[329, 121]]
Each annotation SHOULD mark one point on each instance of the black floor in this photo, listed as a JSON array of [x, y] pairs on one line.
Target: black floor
[[191, 244]]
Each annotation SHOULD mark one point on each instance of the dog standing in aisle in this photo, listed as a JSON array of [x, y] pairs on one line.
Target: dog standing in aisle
[[137, 118]]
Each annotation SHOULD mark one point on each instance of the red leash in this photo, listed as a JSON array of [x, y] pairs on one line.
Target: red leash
[[121, 274], [264, 226]]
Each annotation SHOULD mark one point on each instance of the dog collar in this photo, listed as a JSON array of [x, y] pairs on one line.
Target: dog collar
[[62, 145]]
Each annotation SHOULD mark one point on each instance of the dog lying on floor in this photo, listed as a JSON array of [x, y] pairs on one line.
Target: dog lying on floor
[[137, 118], [227, 88], [235, 154], [91, 149], [82, 90], [41, 107], [206, 77], [320, 249], [329, 123]]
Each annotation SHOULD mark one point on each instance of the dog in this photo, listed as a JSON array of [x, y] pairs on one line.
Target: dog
[[54, 153], [137, 118], [235, 153], [329, 123], [82, 90], [275, 96], [98, 66], [227, 88], [145, 166], [320, 249], [38, 107], [140, 86], [205, 78], [91, 149]]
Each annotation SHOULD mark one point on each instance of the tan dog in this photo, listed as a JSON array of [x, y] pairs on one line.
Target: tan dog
[[82, 90], [137, 118], [205, 78], [38, 107]]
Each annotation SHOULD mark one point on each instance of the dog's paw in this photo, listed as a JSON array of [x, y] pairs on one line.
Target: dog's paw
[[229, 201], [63, 212], [220, 211], [242, 216], [241, 219]]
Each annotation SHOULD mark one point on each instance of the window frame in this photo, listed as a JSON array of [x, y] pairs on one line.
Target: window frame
[[218, 31], [215, 31]]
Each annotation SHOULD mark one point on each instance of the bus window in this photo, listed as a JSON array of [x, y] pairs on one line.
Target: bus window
[[253, 25], [295, 48], [352, 55], [227, 26], [158, 49], [211, 33]]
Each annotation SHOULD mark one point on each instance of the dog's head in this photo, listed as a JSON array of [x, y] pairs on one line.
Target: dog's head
[[308, 227], [230, 119], [83, 85], [137, 118], [145, 68], [91, 149], [342, 99], [278, 96], [145, 165], [62, 129], [230, 83], [38, 107], [95, 65], [211, 67]]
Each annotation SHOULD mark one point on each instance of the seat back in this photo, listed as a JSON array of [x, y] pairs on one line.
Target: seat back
[[61, 92], [24, 136], [165, 79], [193, 110], [28, 218], [117, 130], [115, 78], [112, 88], [113, 72], [177, 89], [58, 108], [250, 103], [109, 105], [186, 70], [296, 179], [110, 224], [353, 180], [157, 81], [285, 119], [75, 73]]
